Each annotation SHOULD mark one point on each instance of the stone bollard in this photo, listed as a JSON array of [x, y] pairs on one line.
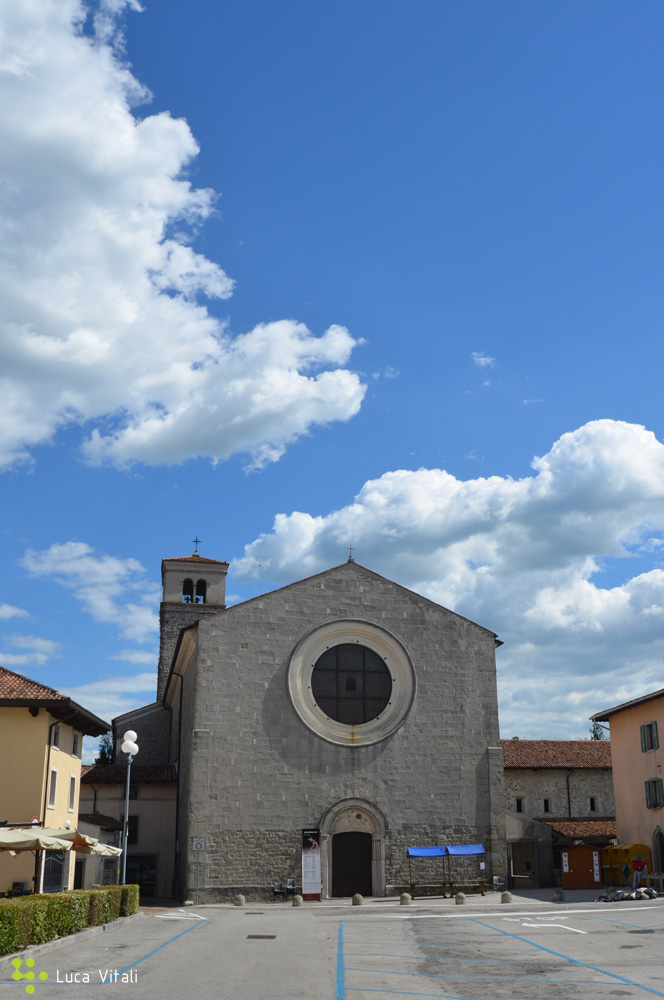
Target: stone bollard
[[558, 896], [460, 898], [405, 899], [297, 901], [506, 897], [188, 902], [239, 900], [357, 899]]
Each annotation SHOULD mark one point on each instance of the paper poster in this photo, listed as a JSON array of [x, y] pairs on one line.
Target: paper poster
[[565, 861], [311, 864], [596, 872]]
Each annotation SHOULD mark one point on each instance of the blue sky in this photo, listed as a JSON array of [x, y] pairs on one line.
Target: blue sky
[[288, 277]]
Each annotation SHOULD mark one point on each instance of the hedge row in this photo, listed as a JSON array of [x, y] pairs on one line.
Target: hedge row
[[35, 919]]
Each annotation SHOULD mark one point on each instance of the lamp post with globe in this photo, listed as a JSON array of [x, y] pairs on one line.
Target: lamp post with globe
[[129, 747]]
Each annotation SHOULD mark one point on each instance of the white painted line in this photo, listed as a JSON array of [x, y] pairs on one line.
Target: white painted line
[[565, 927]]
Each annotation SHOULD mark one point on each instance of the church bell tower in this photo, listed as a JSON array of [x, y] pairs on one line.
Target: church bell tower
[[192, 587]]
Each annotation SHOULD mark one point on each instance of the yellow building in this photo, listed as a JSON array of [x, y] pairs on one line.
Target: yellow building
[[41, 738]]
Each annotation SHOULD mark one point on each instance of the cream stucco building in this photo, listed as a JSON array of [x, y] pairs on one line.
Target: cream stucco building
[[41, 737]]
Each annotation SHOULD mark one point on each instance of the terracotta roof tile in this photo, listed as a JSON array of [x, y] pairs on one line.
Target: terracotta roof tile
[[16, 686], [115, 774], [556, 753], [196, 558], [578, 829]]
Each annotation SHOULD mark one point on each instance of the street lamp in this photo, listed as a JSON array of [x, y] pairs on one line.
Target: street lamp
[[131, 749]]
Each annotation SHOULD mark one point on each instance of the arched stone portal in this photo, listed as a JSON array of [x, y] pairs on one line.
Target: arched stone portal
[[353, 821]]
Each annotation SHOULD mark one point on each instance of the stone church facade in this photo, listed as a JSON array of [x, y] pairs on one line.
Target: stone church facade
[[343, 703]]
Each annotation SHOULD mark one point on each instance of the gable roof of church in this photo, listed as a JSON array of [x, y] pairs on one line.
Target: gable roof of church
[[18, 691], [349, 565]]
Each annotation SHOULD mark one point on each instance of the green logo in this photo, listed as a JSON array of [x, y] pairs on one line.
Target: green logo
[[16, 962]]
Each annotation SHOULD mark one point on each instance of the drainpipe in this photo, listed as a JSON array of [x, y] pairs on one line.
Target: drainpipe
[[569, 797]]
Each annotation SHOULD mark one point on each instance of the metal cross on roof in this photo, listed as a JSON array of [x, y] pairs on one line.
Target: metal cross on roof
[[196, 542], [350, 553]]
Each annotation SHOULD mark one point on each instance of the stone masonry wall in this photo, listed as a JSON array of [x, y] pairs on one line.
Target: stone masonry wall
[[533, 786], [259, 775]]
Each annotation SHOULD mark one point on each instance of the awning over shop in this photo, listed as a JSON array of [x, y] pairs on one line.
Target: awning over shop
[[45, 839], [463, 850], [426, 852]]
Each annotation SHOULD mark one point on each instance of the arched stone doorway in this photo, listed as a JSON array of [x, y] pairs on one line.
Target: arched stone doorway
[[353, 849]]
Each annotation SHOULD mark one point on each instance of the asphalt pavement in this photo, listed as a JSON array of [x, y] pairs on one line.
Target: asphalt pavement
[[483, 950]]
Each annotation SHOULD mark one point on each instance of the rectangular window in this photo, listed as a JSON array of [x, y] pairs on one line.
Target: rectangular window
[[132, 830], [654, 793], [55, 739], [519, 805], [52, 786], [72, 793], [547, 805], [593, 804], [74, 744], [649, 737]]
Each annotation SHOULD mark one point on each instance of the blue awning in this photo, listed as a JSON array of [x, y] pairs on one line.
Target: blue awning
[[463, 849], [426, 852]]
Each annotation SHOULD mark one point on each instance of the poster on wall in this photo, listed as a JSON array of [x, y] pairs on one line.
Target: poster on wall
[[311, 864], [565, 858], [596, 872]]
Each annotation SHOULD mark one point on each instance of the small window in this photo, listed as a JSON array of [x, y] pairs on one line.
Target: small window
[[593, 804], [201, 592], [74, 745], [188, 592], [649, 738], [55, 738], [547, 805], [72, 793], [132, 830], [133, 791], [52, 786], [654, 793], [519, 805]]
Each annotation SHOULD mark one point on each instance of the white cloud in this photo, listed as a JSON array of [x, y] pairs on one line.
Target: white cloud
[[9, 611], [137, 656], [483, 361], [36, 651], [523, 557], [101, 323], [111, 696], [103, 584]]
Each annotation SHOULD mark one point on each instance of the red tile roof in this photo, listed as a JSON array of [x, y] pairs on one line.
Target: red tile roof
[[197, 559], [556, 753], [116, 774], [579, 829], [17, 690], [17, 687]]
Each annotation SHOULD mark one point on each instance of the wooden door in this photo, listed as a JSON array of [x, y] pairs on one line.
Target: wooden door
[[581, 867], [351, 864]]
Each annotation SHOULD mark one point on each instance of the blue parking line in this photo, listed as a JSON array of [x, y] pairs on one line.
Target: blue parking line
[[574, 961], [131, 965], [340, 983], [625, 923], [442, 958], [155, 950], [412, 993], [502, 979]]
